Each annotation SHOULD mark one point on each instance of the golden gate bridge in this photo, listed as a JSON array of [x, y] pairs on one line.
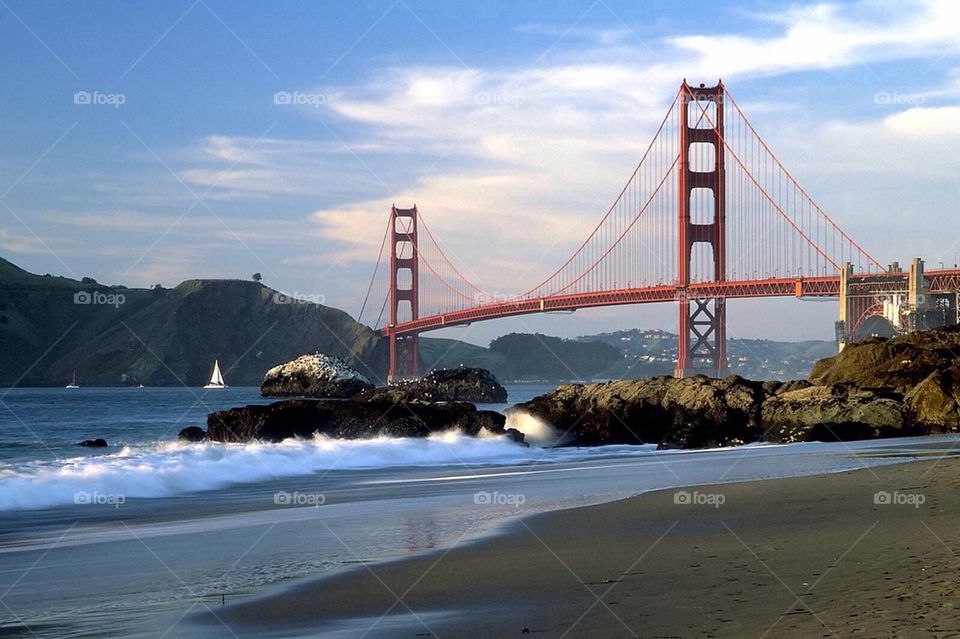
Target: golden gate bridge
[[708, 214]]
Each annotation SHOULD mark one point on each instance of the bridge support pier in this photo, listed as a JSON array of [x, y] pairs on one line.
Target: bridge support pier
[[404, 349], [702, 342]]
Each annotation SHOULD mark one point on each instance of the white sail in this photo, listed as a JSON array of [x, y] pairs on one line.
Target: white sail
[[216, 379], [73, 384]]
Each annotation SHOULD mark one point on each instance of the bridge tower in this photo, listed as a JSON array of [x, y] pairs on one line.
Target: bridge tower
[[404, 285], [702, 339]]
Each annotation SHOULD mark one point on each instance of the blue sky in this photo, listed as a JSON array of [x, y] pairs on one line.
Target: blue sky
[[496, 118]]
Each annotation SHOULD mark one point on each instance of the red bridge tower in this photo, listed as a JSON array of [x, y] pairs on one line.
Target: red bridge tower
[[404, 284], [702, 343]]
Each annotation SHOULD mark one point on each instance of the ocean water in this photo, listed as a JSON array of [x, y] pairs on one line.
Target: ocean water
[[133, 539]]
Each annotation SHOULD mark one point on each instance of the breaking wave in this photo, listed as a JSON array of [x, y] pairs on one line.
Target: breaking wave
[[164, 469]]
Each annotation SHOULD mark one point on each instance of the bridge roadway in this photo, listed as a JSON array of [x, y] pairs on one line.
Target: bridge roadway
[[861, 285]]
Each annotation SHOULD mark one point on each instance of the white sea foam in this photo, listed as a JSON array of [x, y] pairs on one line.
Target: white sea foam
[[172, 468], [537, 431]]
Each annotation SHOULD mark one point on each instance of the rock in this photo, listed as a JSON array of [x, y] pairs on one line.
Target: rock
[[315, 375], [94, 443], [934, 402], [515, 435], [900, 363], [700, 412], [688, 413], [348, 419], [796, 384], [771, 386], [192, 434], [831, 413], [461, 384]]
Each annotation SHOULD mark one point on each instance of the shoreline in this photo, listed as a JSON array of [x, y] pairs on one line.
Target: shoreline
[[704, 568]]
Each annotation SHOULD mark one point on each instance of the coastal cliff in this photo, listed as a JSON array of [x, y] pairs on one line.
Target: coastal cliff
[[118, 336]]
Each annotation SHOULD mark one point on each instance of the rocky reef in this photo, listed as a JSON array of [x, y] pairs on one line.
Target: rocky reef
[[461, 384], [314, 375], [699, 412], [339, 402], [323, 376], [907, 385], [348, 419]]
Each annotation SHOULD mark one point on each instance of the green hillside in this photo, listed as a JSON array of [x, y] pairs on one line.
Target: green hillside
[[52, 326]]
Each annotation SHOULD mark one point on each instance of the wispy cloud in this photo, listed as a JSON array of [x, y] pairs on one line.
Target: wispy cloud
[[20, 243]]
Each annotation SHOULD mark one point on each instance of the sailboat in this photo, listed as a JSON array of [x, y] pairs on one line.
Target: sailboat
[[73, 384], [216, 379]]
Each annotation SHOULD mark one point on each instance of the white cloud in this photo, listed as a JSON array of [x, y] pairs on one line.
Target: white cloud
[[925, 122], [20, 243], [235, 168], [829, 36]]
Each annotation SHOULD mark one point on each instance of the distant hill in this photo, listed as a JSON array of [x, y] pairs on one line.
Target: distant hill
[[629, 354], [653, 352], [52, 326], [542, 357]]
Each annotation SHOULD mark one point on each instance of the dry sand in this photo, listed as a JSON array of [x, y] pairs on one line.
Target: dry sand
[[803, 557]]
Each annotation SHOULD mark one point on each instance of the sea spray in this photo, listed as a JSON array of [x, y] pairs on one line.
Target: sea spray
[[537, 431]]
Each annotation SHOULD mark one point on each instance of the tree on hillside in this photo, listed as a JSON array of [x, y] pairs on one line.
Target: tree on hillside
[[257, 277]]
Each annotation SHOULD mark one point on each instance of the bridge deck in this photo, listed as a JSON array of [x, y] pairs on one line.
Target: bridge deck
[[825, 286]]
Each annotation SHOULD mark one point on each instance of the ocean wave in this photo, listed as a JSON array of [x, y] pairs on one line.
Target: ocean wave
[[164, 469]]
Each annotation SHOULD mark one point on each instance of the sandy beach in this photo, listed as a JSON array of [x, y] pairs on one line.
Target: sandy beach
[[865, 553]]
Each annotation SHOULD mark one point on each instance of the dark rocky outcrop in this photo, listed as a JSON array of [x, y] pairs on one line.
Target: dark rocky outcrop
[[900, 363], [314, 375], [192, 434], [461, 384], [94, 443], [686, 413], [936, 400], [701, 412], [350, 419], [830, 413]]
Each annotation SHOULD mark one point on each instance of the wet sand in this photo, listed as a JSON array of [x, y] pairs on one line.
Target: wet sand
[[801, 557]]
